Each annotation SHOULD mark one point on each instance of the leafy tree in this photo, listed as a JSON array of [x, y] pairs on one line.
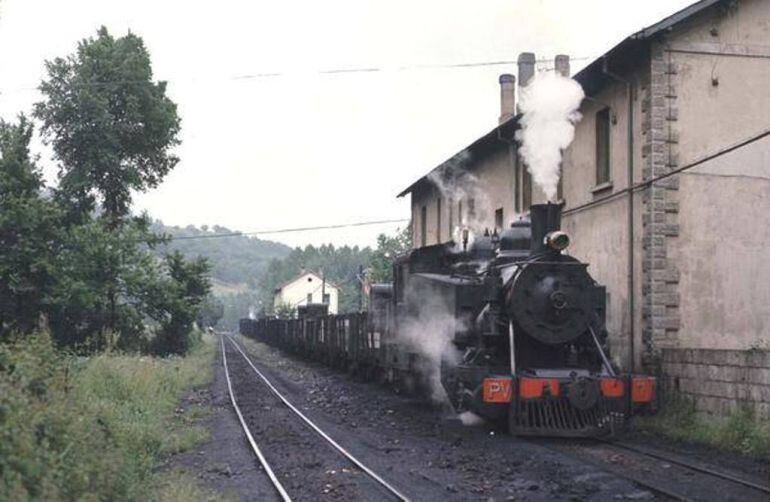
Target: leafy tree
[[239, 305], [211, 311], [186, 288], [388, 249], [28, 232], [106, 283], [110, 125], [285, 311]]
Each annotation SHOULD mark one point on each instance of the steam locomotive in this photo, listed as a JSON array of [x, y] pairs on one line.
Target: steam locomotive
[[511, 326]]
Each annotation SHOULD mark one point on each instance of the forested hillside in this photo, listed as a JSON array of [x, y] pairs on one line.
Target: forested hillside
[[237, 262], [245, 270]]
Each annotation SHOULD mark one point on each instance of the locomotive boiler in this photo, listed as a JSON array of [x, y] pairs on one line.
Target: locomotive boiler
[[527, 341]]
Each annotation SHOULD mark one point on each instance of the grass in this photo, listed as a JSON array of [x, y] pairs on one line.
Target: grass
[[179, 486], [96, 428], [740, 432]]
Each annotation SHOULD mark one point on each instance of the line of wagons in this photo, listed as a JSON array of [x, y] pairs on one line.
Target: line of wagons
[[360, 343]]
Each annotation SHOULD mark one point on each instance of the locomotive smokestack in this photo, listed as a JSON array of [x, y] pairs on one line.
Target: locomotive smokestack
[[545, 218], [507, 97]]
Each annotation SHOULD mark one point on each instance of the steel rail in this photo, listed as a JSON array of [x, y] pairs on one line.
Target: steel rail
[[688, 465], [318, 430], [616, 472], [276, 483]]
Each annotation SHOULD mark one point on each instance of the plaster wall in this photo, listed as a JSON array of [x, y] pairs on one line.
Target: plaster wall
[[721, 69], [295, 293]]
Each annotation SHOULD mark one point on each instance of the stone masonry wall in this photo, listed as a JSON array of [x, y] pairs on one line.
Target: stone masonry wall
[[660, 276], [720, 381]]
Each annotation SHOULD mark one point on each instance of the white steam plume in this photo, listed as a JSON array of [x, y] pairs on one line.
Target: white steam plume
[[430, 333], [470, 419], [549, 105], [459, 187]]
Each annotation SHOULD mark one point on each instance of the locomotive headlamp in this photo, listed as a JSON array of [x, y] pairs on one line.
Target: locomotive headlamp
[[557, 240]]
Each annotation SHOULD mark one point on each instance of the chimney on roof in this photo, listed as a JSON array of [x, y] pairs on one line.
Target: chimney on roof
[[507, 97], [526, 69], [561, 63]]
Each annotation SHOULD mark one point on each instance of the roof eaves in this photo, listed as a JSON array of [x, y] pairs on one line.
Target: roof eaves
[[643, 35], [673, 19], [297, 277], [455, 159]]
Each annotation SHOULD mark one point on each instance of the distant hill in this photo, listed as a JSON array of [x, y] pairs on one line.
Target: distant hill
[[245, 270], [238, 263]]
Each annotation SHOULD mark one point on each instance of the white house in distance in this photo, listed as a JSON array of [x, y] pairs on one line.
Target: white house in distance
[[307, 288]]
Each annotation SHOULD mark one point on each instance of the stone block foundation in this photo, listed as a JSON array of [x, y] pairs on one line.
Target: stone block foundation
[[719, 381]]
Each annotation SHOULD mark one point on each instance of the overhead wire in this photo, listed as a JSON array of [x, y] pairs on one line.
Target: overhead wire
[[328, 71], [287, 230], [648, 183]]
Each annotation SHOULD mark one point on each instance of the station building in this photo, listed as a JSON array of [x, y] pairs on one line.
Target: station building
[[666, 192], [308, 288]]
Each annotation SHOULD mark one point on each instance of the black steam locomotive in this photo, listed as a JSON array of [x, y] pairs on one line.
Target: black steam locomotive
[[515, 327]]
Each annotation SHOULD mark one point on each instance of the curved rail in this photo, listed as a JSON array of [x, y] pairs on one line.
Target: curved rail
[[638, 480], [688, 465], [390, 488], [276, 483]]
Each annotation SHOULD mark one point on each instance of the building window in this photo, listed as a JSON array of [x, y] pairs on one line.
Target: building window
[[451, 217], [438, 220], [460, 213], [423, 226], [471, 208], [327, 298], [499, 218], [310, 298], [603, 146]]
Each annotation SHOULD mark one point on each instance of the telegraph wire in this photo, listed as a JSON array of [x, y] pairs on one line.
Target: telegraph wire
[[643, 185], [287, 230], [328, 71]]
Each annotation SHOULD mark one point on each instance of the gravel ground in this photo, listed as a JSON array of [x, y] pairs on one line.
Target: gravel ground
[[224, 463], [307, 466], [428, 453], [421, 449]]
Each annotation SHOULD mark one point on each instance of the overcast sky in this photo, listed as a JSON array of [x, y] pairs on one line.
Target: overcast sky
[[308, 148]]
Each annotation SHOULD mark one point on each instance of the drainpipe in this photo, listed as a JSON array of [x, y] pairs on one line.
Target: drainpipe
[[630, 154]]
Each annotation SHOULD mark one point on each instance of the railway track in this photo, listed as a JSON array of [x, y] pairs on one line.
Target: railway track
[[294, 440], [662, 473], [710, 471], [665, 475]]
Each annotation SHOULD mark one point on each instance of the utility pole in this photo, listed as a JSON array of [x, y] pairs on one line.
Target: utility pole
[[323, 287], [360, 288]]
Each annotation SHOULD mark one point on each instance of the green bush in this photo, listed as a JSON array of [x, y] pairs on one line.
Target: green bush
[[740, 432], [91, 428]]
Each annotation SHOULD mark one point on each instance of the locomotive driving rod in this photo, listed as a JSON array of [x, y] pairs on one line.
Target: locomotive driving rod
[[512, 347], [601, 352]]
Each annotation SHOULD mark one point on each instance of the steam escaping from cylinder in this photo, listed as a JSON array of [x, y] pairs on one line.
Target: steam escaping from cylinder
[[429, 333], [470, 419], [549, 104]]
